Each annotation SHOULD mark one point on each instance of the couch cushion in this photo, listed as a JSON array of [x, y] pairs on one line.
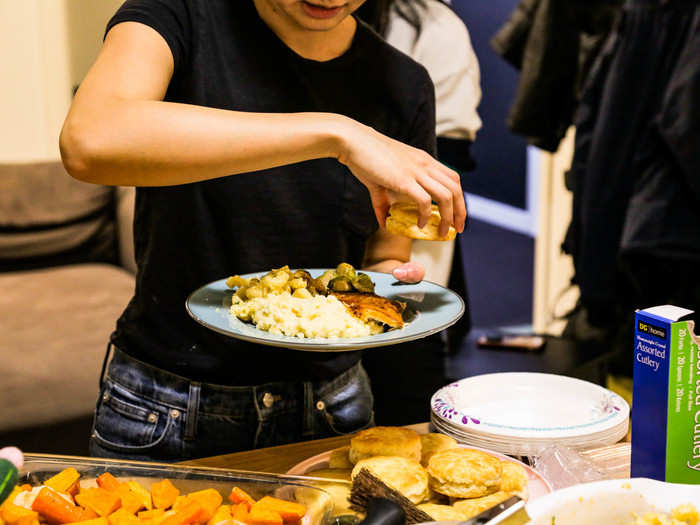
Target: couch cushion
[[53, 333], [49, 218]]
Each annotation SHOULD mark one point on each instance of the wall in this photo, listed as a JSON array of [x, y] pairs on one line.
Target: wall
[[47, 48], [553, 293]]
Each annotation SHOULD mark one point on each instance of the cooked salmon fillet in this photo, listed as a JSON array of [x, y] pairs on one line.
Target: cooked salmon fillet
[[373, 308]]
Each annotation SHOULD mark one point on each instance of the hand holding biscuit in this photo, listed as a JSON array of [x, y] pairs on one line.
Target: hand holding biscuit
[[403, 220], [386, 166]]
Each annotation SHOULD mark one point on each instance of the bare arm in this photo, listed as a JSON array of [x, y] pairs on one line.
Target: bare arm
[[389, 253], [119, 131]]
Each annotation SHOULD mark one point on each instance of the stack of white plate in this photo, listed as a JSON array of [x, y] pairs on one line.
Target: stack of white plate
[[521, 413]]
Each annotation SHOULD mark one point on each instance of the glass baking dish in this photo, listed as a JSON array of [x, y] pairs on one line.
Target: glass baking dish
[[319, 504]]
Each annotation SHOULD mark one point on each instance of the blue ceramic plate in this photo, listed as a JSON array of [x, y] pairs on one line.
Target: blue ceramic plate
[[429, 309]]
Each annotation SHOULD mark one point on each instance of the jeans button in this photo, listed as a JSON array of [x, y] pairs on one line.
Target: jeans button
[[268, 400], [320, 405], [174, 413], [152, 418]]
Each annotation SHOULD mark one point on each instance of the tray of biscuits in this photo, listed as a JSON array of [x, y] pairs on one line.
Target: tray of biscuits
[[446, 480]]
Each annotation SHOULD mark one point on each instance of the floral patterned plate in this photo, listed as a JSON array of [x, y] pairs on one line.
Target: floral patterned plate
[[530, 406]]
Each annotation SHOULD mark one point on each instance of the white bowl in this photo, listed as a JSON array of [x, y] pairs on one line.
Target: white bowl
[[610, 502]]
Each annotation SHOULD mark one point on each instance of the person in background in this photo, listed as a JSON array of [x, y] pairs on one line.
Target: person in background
[[425, 30], [310, 112]]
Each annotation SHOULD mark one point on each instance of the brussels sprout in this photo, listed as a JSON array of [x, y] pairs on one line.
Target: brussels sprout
[[340, 284], [346, 270], [321, 283], [363, 283]]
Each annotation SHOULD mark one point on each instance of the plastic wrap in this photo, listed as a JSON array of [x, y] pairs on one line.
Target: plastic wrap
[[564, 467]]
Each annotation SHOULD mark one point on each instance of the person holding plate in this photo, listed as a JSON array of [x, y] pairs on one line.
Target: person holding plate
[[259, 133]]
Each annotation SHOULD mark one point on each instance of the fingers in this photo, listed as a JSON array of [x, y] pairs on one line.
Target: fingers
[[443, 197], [443, 186], [13, 455], [380, 203], [410, 272]]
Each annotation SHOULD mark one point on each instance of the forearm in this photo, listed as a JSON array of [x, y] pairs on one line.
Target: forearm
[[154, 143], [385, 252]]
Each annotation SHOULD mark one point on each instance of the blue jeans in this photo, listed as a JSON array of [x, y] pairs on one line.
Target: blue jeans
[[146, 413]]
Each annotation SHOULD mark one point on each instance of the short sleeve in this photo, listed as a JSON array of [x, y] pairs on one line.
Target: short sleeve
[[172, 19]]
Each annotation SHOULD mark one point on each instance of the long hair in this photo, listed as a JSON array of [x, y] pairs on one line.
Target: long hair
[[376, 13]]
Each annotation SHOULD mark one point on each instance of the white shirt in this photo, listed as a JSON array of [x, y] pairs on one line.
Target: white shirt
[[444, 48]]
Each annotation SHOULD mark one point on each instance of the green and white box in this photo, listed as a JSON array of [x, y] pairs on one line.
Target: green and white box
[[666, 397]]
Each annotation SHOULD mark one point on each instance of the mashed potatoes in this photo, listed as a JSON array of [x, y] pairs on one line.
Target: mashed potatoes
[[681, 515], [317, 316]]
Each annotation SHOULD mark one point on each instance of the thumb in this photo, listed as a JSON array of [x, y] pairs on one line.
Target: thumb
[[410, 272]]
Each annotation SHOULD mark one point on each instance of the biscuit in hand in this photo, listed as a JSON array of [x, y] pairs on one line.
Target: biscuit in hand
[[385, 441], [464, 473], [403, 220]]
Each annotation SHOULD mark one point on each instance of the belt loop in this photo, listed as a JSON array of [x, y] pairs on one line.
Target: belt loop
[[308, 411], [104, 363], [192, 411]]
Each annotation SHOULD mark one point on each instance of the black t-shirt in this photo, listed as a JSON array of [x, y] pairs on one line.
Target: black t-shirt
[[312, 214]]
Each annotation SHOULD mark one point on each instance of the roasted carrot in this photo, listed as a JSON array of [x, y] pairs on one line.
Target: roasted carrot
[[122, 517], [263, 516], [209, 499], [63, 480], [150, 514], [239, 512], [55, 508], [222, 515], [131, 501], [190, 513], [100, 500], [12, 514], [108, 482], [95, 521], [289, 510], [163, 494], [238, 495]]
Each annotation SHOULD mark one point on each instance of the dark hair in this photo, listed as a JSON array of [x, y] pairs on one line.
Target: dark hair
[[376, 13]]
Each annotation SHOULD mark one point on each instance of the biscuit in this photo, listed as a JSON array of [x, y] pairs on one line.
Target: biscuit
[[340, 458], [385, 441], [514, 479], [474, 506], [401, 474], [403, 220], [441, 512], [464, 473], [433, 443]]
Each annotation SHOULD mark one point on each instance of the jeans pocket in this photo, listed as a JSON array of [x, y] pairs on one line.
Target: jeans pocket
[[130, 425], [345, 405]]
